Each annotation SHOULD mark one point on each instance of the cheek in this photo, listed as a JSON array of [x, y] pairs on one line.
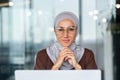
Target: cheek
[[58, 36], [73, 36]]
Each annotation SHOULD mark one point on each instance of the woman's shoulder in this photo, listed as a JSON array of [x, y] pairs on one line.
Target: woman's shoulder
[[42, 52], [88, 52], [88, 60]]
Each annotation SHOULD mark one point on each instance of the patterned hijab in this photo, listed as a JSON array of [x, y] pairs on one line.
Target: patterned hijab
[[54, 50]]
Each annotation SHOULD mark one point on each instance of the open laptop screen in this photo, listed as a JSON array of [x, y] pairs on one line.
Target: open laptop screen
[[57, 75]]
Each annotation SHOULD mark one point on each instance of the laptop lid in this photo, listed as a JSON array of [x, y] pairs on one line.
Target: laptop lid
[[57, 75]]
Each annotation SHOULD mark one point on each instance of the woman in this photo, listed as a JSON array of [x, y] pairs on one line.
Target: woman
[[64, 54]]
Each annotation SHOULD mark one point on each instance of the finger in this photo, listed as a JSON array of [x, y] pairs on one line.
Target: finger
[[68, 56], [65, 51]]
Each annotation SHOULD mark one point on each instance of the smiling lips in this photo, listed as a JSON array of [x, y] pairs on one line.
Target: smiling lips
[[66, 40]]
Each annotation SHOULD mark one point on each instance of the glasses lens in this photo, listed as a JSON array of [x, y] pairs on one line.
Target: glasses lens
[[70, 29]]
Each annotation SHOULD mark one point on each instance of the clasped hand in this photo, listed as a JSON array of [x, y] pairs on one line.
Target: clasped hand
[[66, 55]]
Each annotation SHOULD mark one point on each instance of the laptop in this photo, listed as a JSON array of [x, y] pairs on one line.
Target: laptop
[[57, 75]]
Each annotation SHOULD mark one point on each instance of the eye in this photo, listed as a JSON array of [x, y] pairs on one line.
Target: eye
[[60, 29], [71, 28]]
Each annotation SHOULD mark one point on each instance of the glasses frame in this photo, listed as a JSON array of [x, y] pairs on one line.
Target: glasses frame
[[62, 30]]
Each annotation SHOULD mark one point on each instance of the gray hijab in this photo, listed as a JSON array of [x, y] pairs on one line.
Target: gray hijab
[[54, 50], [67, 15]]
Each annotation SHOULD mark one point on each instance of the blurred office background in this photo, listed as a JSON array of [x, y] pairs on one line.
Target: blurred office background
[[26, 26]]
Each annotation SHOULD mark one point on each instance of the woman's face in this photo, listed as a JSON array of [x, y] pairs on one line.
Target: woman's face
[[66, 32]]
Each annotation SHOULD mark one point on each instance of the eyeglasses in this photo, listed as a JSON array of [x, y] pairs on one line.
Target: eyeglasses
[[61, 30]]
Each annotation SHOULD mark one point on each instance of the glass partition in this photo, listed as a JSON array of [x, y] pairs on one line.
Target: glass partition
[[26, 26]]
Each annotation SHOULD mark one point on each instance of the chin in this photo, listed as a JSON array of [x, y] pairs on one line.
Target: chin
[[66, 45]]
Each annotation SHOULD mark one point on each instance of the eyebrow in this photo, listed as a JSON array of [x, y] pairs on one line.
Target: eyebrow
[[63, 27], [71, 26], [59, 27]]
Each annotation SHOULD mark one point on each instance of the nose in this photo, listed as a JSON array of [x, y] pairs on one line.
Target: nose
[[65, 33]]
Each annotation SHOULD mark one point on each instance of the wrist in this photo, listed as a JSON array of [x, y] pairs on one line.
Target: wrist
[[55, 67], [78, 67]]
